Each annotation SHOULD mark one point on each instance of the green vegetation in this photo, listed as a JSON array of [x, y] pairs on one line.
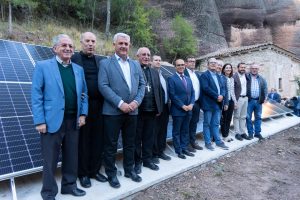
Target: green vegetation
[[183, 43], [37, 21]]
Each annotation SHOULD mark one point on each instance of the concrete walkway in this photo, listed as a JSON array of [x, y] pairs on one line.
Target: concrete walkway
[[28, 187]]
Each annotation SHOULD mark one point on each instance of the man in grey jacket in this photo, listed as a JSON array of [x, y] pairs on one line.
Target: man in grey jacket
[[122, 85]]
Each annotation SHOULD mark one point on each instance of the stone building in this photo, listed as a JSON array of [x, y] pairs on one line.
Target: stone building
[[280, 67]]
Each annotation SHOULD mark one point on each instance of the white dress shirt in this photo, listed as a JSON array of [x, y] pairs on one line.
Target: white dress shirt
[[195, 82], [243, 84], [125, 69]]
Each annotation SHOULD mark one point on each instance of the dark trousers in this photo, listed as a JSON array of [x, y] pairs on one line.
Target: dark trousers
[[144, 137], [91, 142], [112, 127], [160, 131], [180, 132], [66, 139], [193, 123], [226, 119]]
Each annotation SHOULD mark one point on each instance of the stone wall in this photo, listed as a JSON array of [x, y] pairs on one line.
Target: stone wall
[[274, 66]]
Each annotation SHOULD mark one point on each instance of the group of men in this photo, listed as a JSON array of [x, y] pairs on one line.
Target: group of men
[[81, 103]]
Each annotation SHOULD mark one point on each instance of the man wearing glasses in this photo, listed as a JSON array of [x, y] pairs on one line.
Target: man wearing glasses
[[161, 124], [190, 72], [150, 108], [182, 97], [212, 95]]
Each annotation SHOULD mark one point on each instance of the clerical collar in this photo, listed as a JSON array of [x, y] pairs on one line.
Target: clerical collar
[[144, 66], [121, 59], [62, 62], [86, 55]]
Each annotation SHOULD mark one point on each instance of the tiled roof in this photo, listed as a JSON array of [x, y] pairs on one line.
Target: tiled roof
[[245, 49]]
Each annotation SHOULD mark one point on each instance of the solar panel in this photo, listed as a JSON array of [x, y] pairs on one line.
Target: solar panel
[[15, 62], [19, 142]]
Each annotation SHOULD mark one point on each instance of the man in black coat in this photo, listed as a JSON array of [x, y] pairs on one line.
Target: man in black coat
[[150, 108], [91, 135]]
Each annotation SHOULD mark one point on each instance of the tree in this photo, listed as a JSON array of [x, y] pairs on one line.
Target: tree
[[107, 27], [183, 43], [131, 17], [15, 3]]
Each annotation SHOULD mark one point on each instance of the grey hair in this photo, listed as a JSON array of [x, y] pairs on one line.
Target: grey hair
[[82, 35], [56, 39], [124, 35], [140, 49]]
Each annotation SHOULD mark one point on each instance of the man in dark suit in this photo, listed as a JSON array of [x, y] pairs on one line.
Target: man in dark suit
[[91, 135], [59, 107], [161, 124], [150, 108], [182, 97], [122, 84], [195, 78], [273, 96], [212, 95]]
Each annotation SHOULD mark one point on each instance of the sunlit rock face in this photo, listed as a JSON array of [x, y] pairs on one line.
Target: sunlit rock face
[[257, 21], [232, 23]]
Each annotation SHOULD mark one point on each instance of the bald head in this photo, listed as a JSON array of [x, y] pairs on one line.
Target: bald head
[[88, 43]]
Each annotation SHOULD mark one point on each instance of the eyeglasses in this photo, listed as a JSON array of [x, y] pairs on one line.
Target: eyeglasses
[[212, 63], [191, 61], [180, 65], [146, 54]]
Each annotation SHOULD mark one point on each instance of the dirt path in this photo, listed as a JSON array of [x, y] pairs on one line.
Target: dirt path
[[268, 170]]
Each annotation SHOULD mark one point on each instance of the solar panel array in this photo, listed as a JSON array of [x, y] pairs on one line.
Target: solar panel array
[[19, 142]]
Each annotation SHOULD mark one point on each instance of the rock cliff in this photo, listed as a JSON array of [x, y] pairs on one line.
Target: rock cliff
[[232, 23]]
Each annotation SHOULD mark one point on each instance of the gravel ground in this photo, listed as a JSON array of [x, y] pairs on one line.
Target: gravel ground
[[267, 170]]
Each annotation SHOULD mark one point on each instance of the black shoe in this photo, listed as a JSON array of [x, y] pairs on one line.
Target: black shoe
[[245, 136], [133, 176], [191, 149], [85, 182], [180, 155], [185, 152], [155, 160], [138, 168], [100, 177], [151, 165], [114, 182], [75, 192], [196, 146], [259, 136], [238, 137], [164, 156], [250, 137]]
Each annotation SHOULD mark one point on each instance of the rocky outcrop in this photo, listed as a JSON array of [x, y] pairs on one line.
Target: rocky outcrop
[[219, 24]]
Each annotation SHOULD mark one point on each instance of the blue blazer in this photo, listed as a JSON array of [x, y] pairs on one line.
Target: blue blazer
[[179, 95], [47, 94], [113, 86], [209, 92]]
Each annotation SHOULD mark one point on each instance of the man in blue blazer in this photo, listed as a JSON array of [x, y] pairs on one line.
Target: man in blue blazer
[[212, 95], [273, 96], [182, 97], [122, 85], [59, 107]]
